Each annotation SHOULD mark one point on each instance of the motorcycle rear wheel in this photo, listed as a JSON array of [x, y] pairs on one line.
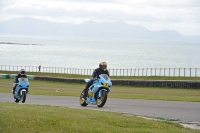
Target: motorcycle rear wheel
[[102, 100], [16, 100], [82, 99]]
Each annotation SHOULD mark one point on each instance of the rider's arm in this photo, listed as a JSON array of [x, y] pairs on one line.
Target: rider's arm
[[94, 74], [108, 73], [16, 79]]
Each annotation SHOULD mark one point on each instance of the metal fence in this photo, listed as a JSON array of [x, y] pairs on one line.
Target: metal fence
[[183, 72]]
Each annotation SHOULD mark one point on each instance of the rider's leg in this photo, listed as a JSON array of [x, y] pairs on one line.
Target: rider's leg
[[86, 88], [14, 87]]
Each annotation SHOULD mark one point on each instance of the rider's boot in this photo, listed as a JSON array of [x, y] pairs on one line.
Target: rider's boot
[[86, 89], [13, 89], [85, 93]]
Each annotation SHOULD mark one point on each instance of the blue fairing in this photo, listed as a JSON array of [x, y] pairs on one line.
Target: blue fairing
[[22, 84], [95, 90]]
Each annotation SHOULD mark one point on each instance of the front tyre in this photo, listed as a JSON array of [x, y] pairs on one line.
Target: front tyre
[[82, 99], [23, 96], [102, 100]]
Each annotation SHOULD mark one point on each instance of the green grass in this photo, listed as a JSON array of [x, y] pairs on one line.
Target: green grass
[[24, 118], [112, 77], [126, 92]]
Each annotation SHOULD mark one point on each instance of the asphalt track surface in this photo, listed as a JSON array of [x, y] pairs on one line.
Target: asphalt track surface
[[182, 112]]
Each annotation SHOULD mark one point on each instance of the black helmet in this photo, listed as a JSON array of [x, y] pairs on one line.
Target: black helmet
[[22, 72], [103, 66]]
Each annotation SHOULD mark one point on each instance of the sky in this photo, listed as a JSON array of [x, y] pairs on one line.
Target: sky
[[180, 15]]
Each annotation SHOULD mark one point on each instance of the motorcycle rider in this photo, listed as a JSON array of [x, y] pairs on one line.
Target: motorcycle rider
[[98, 71], [19, 75]]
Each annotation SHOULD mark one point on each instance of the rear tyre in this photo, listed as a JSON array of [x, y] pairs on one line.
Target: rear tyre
[[23, 96], [82, 99], [16, 100], [102, 100]]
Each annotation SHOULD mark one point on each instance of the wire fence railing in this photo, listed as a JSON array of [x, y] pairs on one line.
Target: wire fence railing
[[181, 72]]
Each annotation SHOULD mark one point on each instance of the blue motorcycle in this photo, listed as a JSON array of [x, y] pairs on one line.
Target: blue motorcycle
[[21, 90], [97, 93]]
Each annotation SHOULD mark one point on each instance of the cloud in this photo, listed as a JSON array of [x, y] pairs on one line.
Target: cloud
[[165, 13], [103, 11], [5, 3]]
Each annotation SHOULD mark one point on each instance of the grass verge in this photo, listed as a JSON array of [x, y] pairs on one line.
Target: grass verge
[[24, 118], [126, 92]]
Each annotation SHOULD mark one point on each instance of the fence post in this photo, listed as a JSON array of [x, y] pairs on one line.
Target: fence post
[[184, 72], [164, 71], [169, 71], [174, 71], [134, 71], [195, 72], [142, 71], [151, 71], [146, 71], [190, 72], [160, 72]]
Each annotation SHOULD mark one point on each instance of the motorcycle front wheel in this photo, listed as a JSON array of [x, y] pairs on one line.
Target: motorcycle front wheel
[[23, 96], [102, 100], [82, 99]]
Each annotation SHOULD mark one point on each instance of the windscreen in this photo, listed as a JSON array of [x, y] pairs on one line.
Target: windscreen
[[105, 76], [23, 79]]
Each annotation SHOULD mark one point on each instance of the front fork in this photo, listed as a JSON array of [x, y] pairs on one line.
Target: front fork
[[22, 91], [100, 92]]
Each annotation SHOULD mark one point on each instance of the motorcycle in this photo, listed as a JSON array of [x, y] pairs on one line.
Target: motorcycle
[[21, 90], [97, 93]]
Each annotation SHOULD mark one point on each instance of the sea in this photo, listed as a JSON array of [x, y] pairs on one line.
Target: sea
[[88, 53]]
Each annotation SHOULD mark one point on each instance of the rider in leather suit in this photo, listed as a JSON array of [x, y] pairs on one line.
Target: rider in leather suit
[[19, 75], [98, 71]]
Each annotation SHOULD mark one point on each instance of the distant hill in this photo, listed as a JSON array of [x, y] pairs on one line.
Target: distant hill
[[90, 29]]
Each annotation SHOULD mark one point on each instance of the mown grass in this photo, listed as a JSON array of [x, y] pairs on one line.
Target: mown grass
[[112, 77], [24, 118], [126, 92]]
